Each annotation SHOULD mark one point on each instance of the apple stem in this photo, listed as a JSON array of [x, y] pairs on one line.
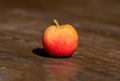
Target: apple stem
[[56, 22]]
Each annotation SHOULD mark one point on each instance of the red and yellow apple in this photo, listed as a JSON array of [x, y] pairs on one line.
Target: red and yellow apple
[[60, 40]]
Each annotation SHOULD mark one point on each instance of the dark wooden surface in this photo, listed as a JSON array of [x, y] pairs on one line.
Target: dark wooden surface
[[22, 57]]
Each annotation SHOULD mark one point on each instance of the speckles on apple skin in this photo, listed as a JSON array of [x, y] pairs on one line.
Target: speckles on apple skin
[[60, 41]]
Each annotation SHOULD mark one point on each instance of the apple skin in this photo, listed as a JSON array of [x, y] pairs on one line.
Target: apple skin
[[60, 41]]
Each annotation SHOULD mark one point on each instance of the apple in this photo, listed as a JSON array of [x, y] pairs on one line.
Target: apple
[[60, 40]]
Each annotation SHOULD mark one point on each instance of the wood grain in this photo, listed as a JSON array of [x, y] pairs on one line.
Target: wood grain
[[22, 57]]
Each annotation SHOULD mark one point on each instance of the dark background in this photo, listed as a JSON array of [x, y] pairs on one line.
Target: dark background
[[107, 11]]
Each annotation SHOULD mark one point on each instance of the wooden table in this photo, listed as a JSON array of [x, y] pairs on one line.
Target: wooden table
[[22, 57]]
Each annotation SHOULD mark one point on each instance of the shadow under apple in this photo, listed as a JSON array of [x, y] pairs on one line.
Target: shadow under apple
[[43, 52]]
